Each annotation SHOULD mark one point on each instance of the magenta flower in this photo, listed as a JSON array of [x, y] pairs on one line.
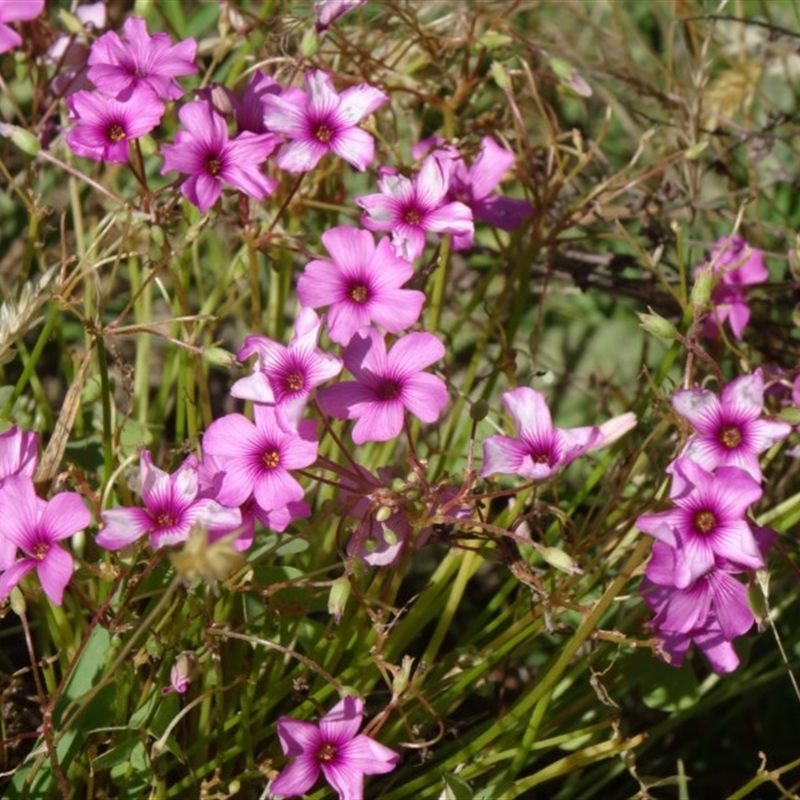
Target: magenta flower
[[730, 430], [360, 284], [540, 448], [104, 126], [738, 266], [474, 186], [19, 455], [334, 747], [322, 121], [328, 11], [120, 68], [284, 377], [205, 153], [174, 504], [249, 108], [411, 207], [253, 459], [709, 639], [685, 610], [16, 11], [708, 521], [387, 384], [36, 527]]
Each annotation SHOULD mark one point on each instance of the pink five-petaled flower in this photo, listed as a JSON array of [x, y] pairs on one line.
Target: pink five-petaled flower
[[19, 455], [16, 11], [540, 448], [715, 592], [104, 126], [174, 504], [730, 430], [119, 68], [474, 186], [36, 527], [411, 207], [205, 153], [387, 384], [285, 376], [708, 520], [322, 121], [738, 265], [253, 459], [360, 284], [336, 748]]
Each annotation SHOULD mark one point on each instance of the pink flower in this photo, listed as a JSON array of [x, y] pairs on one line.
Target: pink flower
[[36, 527], [69, 53], [334, 747], [104, 126], [322, 121], [253, 459], [410, 208], [16, 11], [730, 430], [738, 266], [360, 284], [708, 520], [540, 448], [204, 152], [709, 638], [19, 455], [328, 11], [474, 186], [180, 676], [685, 610], [119, 68], [174, 504], [387, 384], [284, 377]]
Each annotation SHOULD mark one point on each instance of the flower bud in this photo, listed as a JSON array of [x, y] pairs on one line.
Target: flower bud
[[403, 676], [219, 357], [383, 513], [17, 601], [22, 138], [701, 292], [338, 597], [560, 560], [658, 326], [478, 410]]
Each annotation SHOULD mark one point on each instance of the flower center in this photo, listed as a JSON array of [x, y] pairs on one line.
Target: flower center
[[541, 458], [412, 217], [165, 520], [705, 521], [326, 752], [731, 437], [294, 381], [323, 133], [271, 459], [115, 132], [389, 390], [213, 165], [40, 550], [359, 293]]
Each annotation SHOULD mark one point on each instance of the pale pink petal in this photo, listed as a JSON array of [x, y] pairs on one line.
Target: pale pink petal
[[355, 146], [502, 455], [301, 155], [342, 722], [424, 396], [64, 516], [350, 248], [489, 167], [122, 527], [14, 574]]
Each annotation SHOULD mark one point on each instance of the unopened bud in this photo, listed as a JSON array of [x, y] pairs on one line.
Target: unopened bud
[[383, 513], [560, 560], [658, 326], [219, 357], [389, 536], [22, 138], [403, 676], [757, 602], [338, 597], [701, 292], [478, 410], [309, 44], [17, 601], [500, 75]]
